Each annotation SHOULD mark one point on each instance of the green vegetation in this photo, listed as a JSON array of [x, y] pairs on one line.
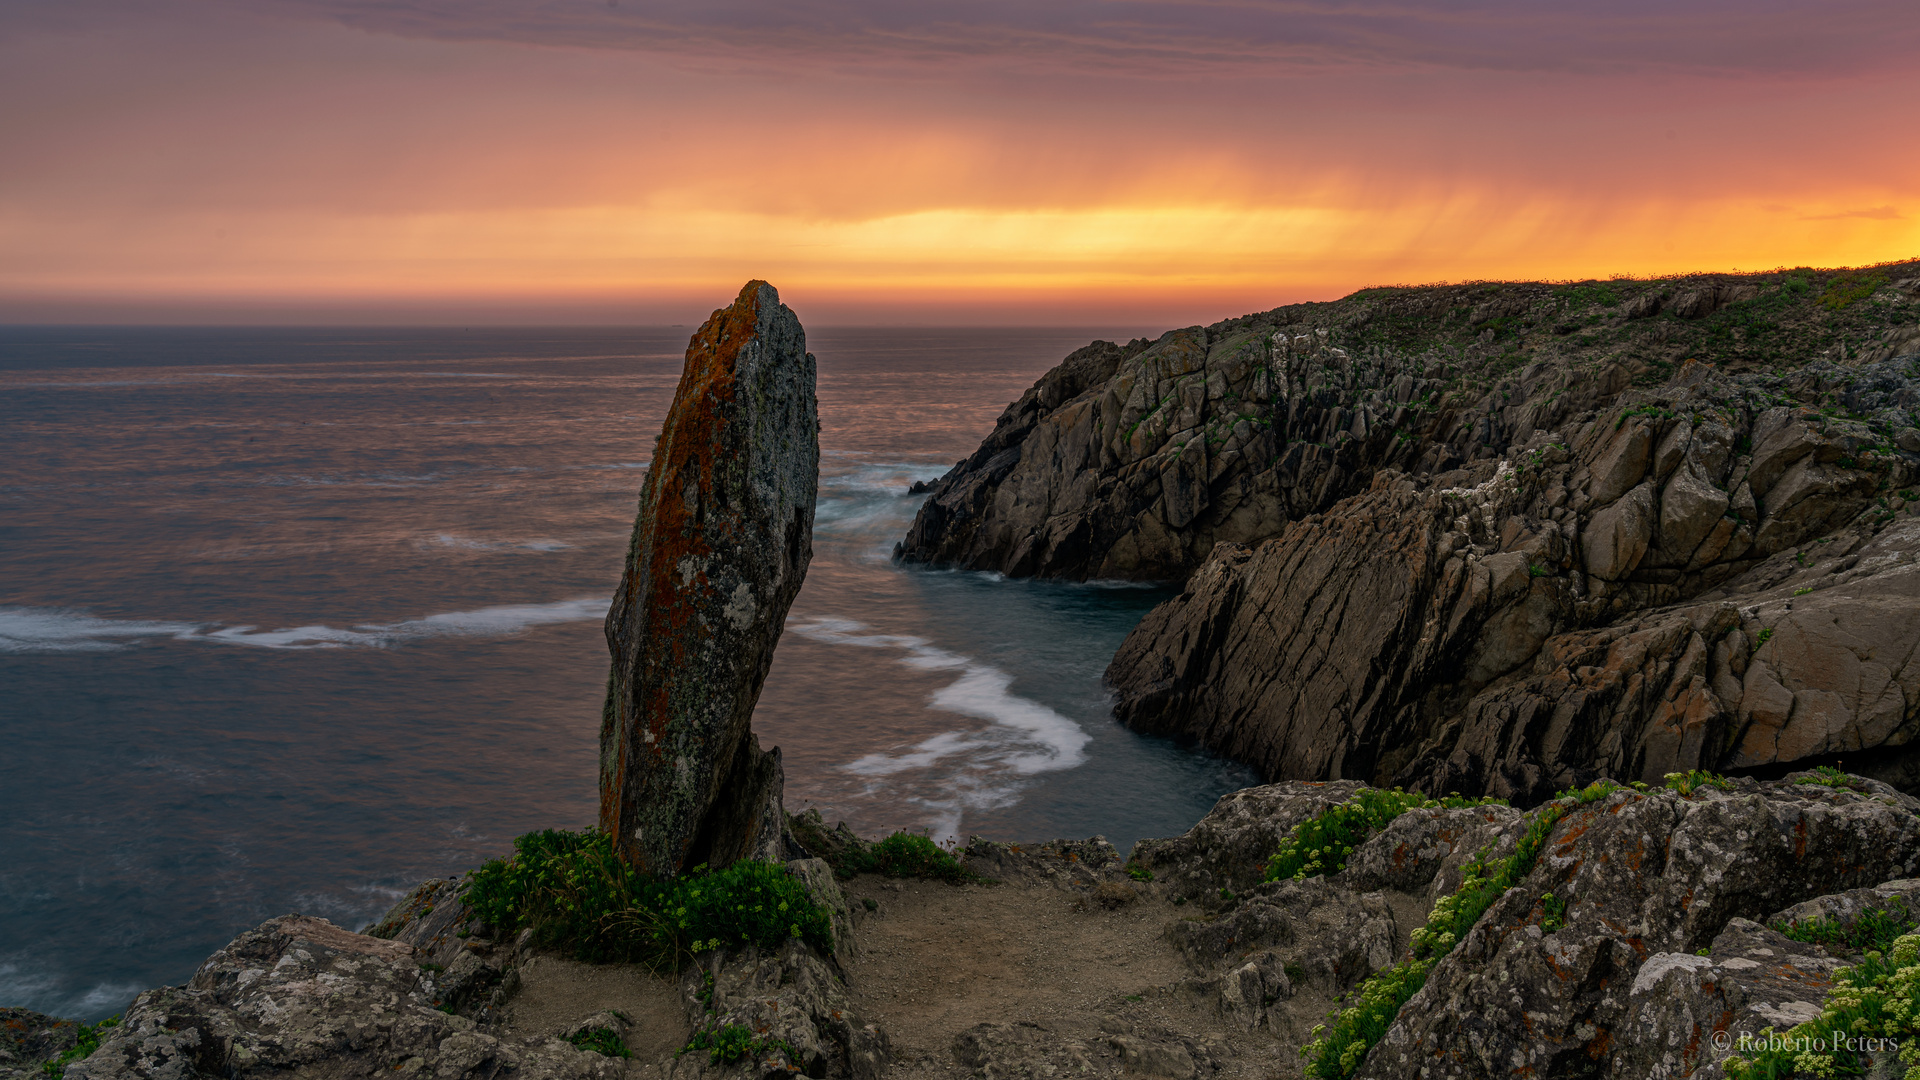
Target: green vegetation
[[1654, 411], [1765, 635], [603, 1041], [729, 1044], [1138, 872], [1876, 929], [1553, 913], [1321, 844], [1875, 1004], [1579, 297], [88, 1040], [581, 898], [1803, 590], [1830, 776], [905, 855], [1848, 289], [1686, 783], [1336, 1053]]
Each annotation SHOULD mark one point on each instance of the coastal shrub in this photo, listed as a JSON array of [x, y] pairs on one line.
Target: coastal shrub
[[87, 1041], [1847, 289], [726, 1045], [1686, 783], [1873, 1006], [906, 855], [1830, 776], [578, 896], [1337, 1051], [1321, 844], [603, 1041], [903, 855], [1553, 913], [1874, 930]]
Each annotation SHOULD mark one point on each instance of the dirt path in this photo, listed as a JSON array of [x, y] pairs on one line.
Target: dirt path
[[556, 992], [1078, 989], [936, 960]]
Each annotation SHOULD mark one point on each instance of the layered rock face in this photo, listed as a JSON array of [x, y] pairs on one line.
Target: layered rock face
[[1445, 536], [1664, 941], [1697, 577], [1133, 461], [720, 547]]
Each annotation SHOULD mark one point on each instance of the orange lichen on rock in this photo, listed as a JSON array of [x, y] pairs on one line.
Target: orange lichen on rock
[[720, 546]]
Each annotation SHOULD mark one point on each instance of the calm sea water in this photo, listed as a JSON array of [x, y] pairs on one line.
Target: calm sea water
[[293, 619]]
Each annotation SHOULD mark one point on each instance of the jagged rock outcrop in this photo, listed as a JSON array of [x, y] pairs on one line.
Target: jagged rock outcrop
[[28, 1040], [298, 995], [720, 547], [1662, 943], [1695, 578], [795, 1004], [1134, 461], [1641, 874], [1468, 537]]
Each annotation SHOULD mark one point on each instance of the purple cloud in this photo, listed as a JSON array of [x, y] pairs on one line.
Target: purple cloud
[[1768, 38]]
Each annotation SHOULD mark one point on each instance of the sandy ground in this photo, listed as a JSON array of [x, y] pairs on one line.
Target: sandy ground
[[938, 959], [935, 960], [556, 992]]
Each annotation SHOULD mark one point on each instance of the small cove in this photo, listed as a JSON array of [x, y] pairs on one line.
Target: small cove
[[291, 620]]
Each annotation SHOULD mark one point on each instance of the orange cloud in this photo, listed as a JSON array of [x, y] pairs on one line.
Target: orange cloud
[[169, 169]]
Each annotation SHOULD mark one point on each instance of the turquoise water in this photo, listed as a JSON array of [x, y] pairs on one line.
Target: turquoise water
[[292, 619]]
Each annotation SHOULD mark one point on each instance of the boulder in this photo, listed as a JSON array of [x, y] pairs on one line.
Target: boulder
[[1228, 849], [1751, 978], [720, 546], [1073, 865], [28, 1040], [298, 995], [796, 1005], [1641, 874]]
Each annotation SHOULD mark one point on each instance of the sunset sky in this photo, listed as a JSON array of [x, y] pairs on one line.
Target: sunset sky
[[900, 161]]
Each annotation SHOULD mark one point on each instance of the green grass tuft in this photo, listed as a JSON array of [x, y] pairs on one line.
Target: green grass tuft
[[603, 1041], [1686, 783], [581, 898], [1336, 1052], [1321, 844], [89, 1039]]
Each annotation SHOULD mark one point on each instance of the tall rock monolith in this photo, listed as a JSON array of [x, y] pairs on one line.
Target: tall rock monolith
[[720, 546]]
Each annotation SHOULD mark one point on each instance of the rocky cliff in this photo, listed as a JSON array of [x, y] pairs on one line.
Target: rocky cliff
[[720, 546], [1133, 461], [1497, 538], [1640, 932]]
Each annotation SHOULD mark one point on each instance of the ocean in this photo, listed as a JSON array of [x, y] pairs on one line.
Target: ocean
[[293, 619]]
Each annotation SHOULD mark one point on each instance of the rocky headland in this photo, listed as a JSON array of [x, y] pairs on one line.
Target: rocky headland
[[1493, 538], [1540, 544], [1636, 933]]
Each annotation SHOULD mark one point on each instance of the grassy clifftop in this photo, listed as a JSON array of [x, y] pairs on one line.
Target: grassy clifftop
[[1739, 322]]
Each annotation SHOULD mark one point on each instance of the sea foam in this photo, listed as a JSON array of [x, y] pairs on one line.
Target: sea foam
[[56, 630], [1024, 737]]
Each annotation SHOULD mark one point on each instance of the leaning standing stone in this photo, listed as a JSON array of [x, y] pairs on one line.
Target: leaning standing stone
[[720, 546]]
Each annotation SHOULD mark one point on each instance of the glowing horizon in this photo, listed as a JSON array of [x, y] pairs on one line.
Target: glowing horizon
[[310, 161]]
